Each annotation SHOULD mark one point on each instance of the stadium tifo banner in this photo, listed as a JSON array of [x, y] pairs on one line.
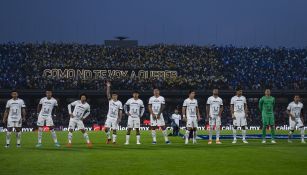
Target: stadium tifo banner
[[96, 127], [88, 74]]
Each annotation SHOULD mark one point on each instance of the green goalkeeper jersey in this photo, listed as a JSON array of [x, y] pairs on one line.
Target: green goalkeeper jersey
[[266, 106]]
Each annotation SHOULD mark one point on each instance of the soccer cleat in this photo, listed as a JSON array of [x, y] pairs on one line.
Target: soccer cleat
[[18, 145], [89, 145], [218, 142], [69, 145], [138, 143], [108, 141], [209, 142], [245, 141], [127, 143], [234, 141], [38, 145], [303, 141], [57, 144], [7, 146], [273, 141], [154, 143], [114, 143], [168, 142], [194, 141], [263, 141]]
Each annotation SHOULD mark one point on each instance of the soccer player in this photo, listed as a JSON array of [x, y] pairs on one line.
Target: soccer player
[[176, 117], [191, 115], [156, 106], [46, 108], [80, 112], [266, 106], [134, 109], [114, 115], [14, 114], [238, 108], [295, 112], [214, 109]]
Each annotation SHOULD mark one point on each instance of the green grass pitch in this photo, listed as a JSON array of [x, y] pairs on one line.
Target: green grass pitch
[[160, 159]]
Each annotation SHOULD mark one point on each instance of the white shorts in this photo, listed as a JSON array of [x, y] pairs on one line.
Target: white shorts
[[134, 122], [14, 124], [111, 123], [73, 123], [192, 122], [42, 119], [240, 119], [158, 122], [296, 122], [215, 120]]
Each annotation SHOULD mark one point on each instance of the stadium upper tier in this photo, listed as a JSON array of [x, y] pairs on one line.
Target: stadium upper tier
[[77, 66]]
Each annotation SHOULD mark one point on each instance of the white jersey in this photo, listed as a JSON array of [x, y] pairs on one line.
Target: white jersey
[[156, 103], [176, 118], [191, 107], [136, 107], [215, 104], [47, 106], [81, 110], [238, 104], [295, 109], [114, 108], [15, 107]]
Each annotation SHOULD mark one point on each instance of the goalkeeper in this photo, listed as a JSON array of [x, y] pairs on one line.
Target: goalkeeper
[[266, 106]]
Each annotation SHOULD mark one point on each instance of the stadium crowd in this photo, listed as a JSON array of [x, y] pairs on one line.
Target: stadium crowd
[[22, 65]]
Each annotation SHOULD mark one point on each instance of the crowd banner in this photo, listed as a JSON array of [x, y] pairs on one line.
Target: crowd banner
[[94, 74]]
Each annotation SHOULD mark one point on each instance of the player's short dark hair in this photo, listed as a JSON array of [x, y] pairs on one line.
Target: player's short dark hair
[[268, 87], [114, 93], [190, 91], [154, 88], [136, 91], [239, 88], [14, 90], [83, 94], [49, 89]]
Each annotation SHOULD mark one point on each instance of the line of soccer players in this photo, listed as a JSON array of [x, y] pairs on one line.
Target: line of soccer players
[[134, 108]]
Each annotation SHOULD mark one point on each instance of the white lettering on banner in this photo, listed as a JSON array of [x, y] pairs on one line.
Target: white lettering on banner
[[85, 74], [14, 130], [146, 128], [86, 129]]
